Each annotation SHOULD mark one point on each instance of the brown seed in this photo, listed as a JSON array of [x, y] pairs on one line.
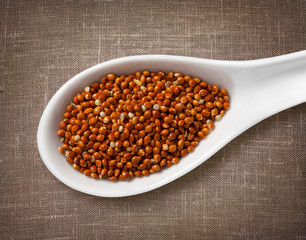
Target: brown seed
[[138, 173], [184, 100], [129, 165], [214, 111], [156, 167], [211, 125], [93, 121], [165, 132], [94, 175], [119, 165], [167, 120], [113, 178], [190, 148], [145, 172], [209, 105], [175, 160], [93, 168], [134, 125], [61, 133], [226, 105], [76, 166], [180, 144], [147, 161], [96, 155], [172, 148], [87, 172], [188, 120], [148, 128], [77, 150], [142, 167], [111, 77], [184, 152]]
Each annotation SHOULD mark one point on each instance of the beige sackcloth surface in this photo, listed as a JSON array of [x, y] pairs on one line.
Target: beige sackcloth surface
[[254, 188]]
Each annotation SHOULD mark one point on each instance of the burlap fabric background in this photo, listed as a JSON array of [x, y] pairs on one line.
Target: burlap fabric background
[[254, 188]]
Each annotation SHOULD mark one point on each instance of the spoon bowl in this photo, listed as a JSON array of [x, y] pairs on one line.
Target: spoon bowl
[[257, 89]]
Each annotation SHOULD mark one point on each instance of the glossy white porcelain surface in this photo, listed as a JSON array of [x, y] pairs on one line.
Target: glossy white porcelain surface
[[257, 88]]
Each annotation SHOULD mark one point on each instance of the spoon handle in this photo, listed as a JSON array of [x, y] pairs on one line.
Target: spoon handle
[[272, 84]]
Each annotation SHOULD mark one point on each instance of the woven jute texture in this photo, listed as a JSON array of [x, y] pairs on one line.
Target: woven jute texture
[[254, 188]]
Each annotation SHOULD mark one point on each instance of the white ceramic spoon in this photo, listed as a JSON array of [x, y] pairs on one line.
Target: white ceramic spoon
[[257, 88]]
